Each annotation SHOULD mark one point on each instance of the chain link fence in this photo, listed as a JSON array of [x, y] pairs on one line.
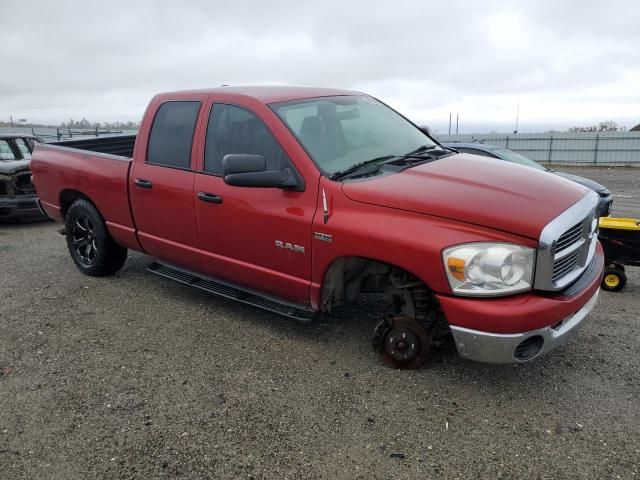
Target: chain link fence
[[602, 148]]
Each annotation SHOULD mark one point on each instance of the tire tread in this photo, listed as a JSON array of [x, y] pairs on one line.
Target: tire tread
[[110, 256]]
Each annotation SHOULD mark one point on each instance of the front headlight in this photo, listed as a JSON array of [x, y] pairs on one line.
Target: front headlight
[[489, 269]]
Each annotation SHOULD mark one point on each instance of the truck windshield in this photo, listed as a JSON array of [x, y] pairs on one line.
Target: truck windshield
[[24, 148], [6, 152], [342, 131]]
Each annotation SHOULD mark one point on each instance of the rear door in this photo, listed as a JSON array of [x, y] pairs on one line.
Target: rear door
[[161, 182], [256, 237]]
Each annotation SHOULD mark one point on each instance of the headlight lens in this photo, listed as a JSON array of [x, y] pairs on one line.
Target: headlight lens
[[489, 269]]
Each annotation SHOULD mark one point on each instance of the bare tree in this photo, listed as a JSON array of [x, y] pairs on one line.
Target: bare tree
[[606, 126]]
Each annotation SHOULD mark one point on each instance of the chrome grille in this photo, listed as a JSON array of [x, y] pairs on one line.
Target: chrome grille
[[570, 236], [567, 245], [565, 265]]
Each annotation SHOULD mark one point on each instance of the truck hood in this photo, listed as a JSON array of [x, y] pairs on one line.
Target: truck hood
[[482, 191], [9, 167]]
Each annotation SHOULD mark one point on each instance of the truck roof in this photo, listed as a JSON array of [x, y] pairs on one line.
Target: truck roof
[[269, 93]]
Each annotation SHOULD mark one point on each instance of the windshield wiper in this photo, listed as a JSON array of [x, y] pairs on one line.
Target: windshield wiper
[[421, 149], [354, 168], [418, 153]]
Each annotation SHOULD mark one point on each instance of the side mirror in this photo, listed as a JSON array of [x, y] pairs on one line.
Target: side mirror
[[249, 170], [243, 163]]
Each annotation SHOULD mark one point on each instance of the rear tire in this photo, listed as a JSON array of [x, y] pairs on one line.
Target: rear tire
[[92, 248], [613, 280]]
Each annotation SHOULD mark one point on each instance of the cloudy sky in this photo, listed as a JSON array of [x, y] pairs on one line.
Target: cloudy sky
[[565, 62]]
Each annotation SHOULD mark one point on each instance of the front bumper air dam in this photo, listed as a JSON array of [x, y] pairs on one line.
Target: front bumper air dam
[[490, 330], [509, 348], [18, 207]]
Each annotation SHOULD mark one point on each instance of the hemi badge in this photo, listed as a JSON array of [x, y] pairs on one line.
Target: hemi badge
[[323, 237]]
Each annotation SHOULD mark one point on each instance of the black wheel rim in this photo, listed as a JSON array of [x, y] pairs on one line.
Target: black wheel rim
[[83, 240]]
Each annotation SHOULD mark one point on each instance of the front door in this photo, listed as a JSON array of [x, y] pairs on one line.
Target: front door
[[256, 237]]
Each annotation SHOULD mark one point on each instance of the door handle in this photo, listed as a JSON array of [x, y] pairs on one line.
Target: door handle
[[209, 197], [141, 182]]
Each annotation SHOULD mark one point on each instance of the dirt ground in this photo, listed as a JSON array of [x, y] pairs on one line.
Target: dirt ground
[[624, 184], [137, 377]]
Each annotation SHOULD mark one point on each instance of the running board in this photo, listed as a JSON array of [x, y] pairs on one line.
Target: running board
[[224, 289]]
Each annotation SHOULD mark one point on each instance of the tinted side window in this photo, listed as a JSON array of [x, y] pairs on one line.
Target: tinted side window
[[172, 134], [233, 129]]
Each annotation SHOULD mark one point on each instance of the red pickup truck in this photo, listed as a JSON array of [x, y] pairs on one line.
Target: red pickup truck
[[296, 200]]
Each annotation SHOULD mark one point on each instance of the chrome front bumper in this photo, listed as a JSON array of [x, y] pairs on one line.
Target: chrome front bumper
[[501, 348]]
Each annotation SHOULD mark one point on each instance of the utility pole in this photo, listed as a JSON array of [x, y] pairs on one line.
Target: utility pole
[[449, 123], [457, 122], [11, 117]]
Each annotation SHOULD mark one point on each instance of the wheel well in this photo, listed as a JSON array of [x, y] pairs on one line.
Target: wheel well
[[67, 197], [348, 277]]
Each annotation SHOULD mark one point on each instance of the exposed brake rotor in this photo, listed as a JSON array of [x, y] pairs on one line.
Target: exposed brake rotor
[[402, 341]]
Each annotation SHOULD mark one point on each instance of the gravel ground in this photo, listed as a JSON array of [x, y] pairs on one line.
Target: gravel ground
[[136, 377], [624, 184]]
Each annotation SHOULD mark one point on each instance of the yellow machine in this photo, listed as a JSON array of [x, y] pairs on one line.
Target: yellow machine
[[620, 238]]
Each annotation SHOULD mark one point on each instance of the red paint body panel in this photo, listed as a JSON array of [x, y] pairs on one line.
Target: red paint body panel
[[238, 236], [407, 239], [476, 190], [165, 213], [101, 178], [258, 94], [405, 219]]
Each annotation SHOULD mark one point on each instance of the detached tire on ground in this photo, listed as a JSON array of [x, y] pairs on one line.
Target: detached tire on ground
[[91, 247], [613, 280]]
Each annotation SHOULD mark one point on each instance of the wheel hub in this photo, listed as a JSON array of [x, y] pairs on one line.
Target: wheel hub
[[84, 240], [611, 280], [403, 342]]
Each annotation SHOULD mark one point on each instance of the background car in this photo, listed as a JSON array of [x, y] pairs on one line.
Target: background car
[[18, 198], [501, 153]]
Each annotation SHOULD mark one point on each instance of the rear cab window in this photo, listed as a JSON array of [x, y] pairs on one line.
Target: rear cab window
[[171, 137]]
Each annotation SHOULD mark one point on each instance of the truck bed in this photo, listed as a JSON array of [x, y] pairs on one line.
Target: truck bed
[[121, 145], [87, 169]]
